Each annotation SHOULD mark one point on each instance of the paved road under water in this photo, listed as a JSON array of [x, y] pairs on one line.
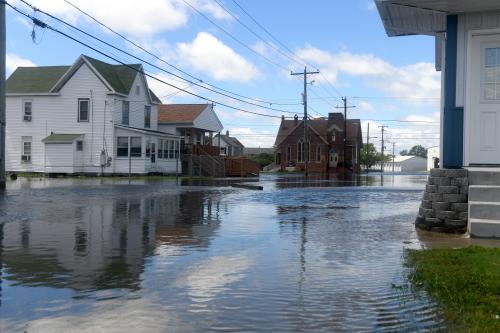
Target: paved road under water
[[92, 255]]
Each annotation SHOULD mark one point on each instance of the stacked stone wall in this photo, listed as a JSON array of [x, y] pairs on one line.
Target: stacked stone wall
[[444, 206]]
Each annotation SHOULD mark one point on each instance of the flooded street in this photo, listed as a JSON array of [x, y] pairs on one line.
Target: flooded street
[[91, 255]]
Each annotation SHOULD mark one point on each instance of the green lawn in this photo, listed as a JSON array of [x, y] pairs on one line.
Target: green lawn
[[464, 282]]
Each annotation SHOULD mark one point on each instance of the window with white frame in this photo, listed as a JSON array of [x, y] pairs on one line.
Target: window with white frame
[[165, 149], [491, 76], [122, 146], [26, 142], [147, 116], [27, 110], [83, 109], [160, 148], [136, 146], [137, 90], [125, 112], [302, 151]]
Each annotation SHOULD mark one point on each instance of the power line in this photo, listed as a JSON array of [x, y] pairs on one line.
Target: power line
[[233, 37], [164, 61], [283, 45], [151, 64], [44, 25]]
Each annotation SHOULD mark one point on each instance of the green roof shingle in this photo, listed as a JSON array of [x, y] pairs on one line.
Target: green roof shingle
[[61, 138], [27, 80]]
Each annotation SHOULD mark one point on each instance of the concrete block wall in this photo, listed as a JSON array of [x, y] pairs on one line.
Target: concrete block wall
[[444, 207]]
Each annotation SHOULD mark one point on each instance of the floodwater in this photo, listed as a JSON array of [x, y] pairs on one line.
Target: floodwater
[[92, 255]]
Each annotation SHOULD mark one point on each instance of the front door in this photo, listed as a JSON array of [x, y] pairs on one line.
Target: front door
[[484, 94]]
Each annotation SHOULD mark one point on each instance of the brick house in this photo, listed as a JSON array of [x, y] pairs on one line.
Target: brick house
[[326, 144]]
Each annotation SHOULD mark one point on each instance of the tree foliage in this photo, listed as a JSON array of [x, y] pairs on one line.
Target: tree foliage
[[369, 156], [263, 159], [418, 150]]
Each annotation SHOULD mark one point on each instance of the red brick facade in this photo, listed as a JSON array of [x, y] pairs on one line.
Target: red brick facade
[[326, 148]]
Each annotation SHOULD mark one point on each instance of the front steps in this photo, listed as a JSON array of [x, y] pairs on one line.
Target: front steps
[[484, 202]]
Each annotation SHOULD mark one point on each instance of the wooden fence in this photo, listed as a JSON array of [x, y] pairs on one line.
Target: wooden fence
[[241, 167]]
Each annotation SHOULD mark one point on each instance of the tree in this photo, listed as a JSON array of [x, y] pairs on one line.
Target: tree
[[369, 155], [418, 150], [404, 152], [263, 159]]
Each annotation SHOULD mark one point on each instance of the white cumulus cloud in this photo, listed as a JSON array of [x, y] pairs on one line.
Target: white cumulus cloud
[[414, 81], [12, 61], [208, 54]]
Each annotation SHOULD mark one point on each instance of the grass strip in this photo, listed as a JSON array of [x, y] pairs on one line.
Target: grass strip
[[465, 283]]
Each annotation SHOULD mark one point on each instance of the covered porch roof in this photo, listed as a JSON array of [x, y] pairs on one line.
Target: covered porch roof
[[426, 17], [61, 138]]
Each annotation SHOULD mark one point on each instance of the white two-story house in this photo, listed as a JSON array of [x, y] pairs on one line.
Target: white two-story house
[[88, 118]]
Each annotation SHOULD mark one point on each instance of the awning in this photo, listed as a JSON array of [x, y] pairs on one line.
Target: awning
[[61, 138], [426, 17]]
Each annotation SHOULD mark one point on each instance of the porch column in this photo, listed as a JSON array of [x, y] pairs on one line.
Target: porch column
[[453, 117]]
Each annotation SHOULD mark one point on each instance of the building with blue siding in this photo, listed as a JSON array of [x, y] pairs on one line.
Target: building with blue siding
[[467, 37]]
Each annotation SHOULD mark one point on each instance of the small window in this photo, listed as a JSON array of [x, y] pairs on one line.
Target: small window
[[122, 146], [136, 146], [125, 112], [147, 116], [137, 90], [27, 110], [26, 149], [318, 153], [83, 109], [79, 145]]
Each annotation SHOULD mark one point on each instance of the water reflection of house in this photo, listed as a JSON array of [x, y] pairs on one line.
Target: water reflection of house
[[103, 246]]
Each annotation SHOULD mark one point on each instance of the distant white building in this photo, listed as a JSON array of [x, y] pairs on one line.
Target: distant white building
[[88, 118], [404, 164], [432, 155], [229, 145]]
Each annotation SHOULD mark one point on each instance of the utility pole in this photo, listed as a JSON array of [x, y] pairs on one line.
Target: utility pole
[[383, 146], [367, 143], [2, 95], [345, 107], [393, 156], [306, 137]]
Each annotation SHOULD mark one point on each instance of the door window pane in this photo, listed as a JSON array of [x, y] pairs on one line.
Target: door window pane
[[491, 74]]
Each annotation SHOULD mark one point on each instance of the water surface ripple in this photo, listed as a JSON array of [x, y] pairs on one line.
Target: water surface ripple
[[154, 256]]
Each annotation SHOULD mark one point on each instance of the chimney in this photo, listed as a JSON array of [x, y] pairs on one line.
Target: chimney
[[227, 133], [296, 119]]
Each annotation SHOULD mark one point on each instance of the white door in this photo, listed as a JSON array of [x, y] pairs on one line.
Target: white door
[[484, 94]]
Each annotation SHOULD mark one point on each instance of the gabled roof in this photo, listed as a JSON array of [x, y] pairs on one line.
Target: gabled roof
[[321, 127], [118, 78], [231, 140], [179, 113], [28, 80]]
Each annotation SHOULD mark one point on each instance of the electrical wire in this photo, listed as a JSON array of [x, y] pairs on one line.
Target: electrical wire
[[128, 40], [46, 26], [149, 63]]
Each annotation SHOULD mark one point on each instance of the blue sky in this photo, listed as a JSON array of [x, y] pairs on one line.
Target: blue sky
[[386, 78]]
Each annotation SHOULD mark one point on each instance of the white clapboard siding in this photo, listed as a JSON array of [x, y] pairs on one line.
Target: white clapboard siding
[[137, 101], [170, 129], [59, 158], [208, 120], [59, 114], [466, 23]]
